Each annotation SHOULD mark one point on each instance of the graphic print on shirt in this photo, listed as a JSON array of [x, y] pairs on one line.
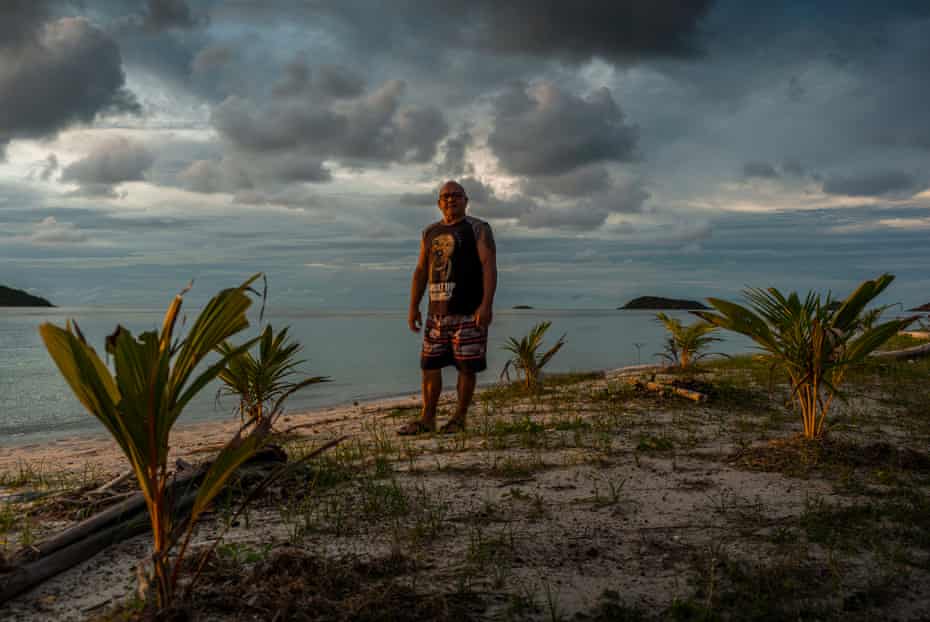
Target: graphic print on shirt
[[441, 250]]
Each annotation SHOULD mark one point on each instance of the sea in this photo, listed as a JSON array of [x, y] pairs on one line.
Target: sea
[[367, 355]]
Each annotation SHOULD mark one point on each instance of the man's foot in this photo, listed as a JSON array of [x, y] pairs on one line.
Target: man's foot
[[454, 425], [417, 426]]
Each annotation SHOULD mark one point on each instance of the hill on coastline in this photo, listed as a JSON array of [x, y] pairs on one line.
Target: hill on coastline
[[925, 307], [10, 297], [659, 303]]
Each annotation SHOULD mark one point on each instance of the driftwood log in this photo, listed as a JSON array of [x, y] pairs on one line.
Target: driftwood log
[[694, 396], [42, 561], [916, 352]]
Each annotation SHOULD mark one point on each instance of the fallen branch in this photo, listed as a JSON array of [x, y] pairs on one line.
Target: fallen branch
[[694, 396], [118, 513], [116, 481]]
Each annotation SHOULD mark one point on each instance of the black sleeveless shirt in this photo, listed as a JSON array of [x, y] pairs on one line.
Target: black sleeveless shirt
[[455, 277]]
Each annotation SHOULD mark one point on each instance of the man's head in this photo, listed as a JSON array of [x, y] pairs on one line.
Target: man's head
[[452, 202]]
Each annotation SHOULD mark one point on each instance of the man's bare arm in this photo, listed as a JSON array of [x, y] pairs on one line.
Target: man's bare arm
[[487, 253], [417, 288]]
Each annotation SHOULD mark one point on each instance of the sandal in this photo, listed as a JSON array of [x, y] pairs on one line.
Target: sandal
[[415, 427], [454, 425]]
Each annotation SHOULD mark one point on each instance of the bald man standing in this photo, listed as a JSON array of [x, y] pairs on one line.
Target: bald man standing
[[458, 261]]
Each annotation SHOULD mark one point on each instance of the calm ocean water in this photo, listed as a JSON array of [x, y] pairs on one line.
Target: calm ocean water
[[367, 354]]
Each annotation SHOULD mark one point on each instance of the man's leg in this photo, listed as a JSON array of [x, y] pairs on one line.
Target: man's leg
[[432, 387], [466, 388]]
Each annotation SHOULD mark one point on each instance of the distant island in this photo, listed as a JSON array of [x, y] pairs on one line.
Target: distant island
[[10, 297], [657, 303], [522, 307], [924, 308]]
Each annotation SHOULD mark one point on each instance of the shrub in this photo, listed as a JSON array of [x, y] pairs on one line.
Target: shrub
[[263, 384], [686, 344], [527, 360], [814, 341]]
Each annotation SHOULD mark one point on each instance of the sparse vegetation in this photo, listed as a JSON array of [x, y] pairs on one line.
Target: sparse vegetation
[[682, 511]]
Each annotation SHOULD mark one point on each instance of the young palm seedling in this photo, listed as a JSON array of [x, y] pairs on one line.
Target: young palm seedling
[[527, 359], [813, 340], [686, 344], [263, 384], [155, 377]]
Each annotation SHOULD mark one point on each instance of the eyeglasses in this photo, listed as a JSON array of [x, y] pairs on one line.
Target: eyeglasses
[[448, 196]]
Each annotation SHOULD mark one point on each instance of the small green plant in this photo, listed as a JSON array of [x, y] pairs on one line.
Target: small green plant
[[686, 344], [815, 341], [154, 380], [263, 384], [527, 360]]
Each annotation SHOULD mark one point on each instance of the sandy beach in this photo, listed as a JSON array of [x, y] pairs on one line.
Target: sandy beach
[[594, 497]]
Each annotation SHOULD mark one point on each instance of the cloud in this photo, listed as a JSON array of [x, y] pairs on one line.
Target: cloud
[[108, 164], [762, 170], [289, 137], [453, 149], [625, 31], [564, 218], [50, 232], [210, 58], [542, 130], [166, 14], [620, 31], [876, 183], [583, 181], [69, 72], [45, 169], [20, 22]]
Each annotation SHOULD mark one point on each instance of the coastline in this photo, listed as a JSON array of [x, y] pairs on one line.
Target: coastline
[[97, 452]]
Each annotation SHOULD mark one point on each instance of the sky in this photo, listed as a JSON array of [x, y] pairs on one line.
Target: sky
[[618, 148]]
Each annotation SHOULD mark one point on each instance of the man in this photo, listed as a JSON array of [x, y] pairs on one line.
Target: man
[[458, 261]]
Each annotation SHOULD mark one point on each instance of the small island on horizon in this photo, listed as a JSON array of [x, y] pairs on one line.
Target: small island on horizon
[[10, 297], [521, 307], [656, 303]]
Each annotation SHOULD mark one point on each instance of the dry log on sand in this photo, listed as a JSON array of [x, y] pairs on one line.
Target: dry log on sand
[[694, 396], [916, 352], [33, 565]]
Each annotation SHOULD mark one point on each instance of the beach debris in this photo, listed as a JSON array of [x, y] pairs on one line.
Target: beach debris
[[658, 387]]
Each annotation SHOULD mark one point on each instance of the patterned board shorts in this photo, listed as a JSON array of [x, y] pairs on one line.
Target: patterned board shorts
[[454, 340]]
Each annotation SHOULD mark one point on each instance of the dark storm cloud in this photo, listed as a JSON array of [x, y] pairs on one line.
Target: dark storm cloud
[[872, 184], [763, 170], [165, 14], [110, 163], [617, 30], [542, 130], [69, 72], [311, 119], [374, 127], [20, 22]]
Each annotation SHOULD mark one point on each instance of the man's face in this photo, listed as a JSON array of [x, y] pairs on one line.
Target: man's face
[[452, 202]]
